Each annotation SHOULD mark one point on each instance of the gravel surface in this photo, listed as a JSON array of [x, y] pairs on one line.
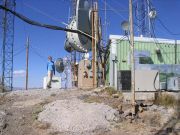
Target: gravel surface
[[2, 120], [68, 112], [77, 117]]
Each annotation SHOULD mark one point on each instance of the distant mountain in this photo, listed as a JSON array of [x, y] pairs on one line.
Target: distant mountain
[[21, 88]]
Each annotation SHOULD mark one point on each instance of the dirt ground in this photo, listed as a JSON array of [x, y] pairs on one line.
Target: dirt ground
[[23, 107]]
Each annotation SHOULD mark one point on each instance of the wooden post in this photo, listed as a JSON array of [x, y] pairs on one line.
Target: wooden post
[[132, 56], [27, 61], [175, 47], [96, 22], [93, 47], [94, 42]]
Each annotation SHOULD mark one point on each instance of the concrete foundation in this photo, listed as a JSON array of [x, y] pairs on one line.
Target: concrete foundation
[[139, 96], [85, 80]]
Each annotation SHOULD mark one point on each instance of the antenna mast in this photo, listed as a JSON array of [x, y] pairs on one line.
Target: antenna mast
[[7, 42], [142, 17]]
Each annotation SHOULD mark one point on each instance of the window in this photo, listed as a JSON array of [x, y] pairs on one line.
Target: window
[[145, 60]]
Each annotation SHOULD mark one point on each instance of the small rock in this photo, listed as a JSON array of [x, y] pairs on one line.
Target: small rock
[[97, 90], [2, 120], [115, 95], [153, 108], [127, 113], [119, 107], [130, 120], [153, 130], [169, 130], [41, 125], [117, 119], [141, 109], [148, 103]]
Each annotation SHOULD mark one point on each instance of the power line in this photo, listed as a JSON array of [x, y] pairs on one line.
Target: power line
[[43, 13], [113, 9], [37, 53], [162, 24], [166, 28], [35, 23], [19, 52], [24, 27]]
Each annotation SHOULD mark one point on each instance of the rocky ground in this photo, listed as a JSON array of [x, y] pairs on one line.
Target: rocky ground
[[86, 112]]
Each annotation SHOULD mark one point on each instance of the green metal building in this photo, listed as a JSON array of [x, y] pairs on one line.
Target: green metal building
[[162, 55]]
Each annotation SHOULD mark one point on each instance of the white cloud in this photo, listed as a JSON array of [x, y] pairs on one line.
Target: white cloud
[[19, 73]]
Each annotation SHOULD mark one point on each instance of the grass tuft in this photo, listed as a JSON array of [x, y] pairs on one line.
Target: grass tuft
[[41, 125], [110, 91], [166, 100], [93, 99], [36, 112]]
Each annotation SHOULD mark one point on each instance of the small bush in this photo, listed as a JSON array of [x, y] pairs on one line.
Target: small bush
[[40, 125], [36, 112], [110, 91], [166, 100], [53, 95], [1, 88], [93, 99], [39, 108]]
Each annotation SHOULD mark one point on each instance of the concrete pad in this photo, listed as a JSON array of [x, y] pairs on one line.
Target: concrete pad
[[139, 96]]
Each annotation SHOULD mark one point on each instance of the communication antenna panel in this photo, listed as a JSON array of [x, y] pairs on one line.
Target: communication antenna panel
[[82, 22]]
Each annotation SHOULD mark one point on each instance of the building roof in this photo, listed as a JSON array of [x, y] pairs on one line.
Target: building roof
[[146, 39]]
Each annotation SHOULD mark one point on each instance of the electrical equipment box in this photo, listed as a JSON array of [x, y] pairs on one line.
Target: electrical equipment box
[[85, 79], [163, 85], [173, 83], [146, 80]]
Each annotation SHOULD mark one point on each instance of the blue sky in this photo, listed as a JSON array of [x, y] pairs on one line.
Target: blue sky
[[50, 42]]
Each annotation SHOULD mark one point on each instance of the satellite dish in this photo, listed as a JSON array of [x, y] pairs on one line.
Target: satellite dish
[[125, 25], [59, 65], [152, 14], [81, 21]]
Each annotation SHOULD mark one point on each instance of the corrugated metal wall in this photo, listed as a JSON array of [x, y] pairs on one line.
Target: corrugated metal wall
[[168, 53]]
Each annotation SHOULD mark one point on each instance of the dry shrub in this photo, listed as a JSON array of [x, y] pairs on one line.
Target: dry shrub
[[93, 99], [166, 100], [39, 108], [36, 112], [110, 91], [40, 125], [53, 95], [151, 118]]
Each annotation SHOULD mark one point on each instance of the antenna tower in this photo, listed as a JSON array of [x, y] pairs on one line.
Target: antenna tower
[[142, 17], [6, 45]]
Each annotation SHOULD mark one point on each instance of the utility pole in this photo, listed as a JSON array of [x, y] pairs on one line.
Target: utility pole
[[132, 56], [27, 61], [93, 47], [175, 47], [94, 42]]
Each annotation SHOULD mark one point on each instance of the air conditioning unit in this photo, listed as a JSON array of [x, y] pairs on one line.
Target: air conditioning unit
[[163, 86], [173, 83]]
